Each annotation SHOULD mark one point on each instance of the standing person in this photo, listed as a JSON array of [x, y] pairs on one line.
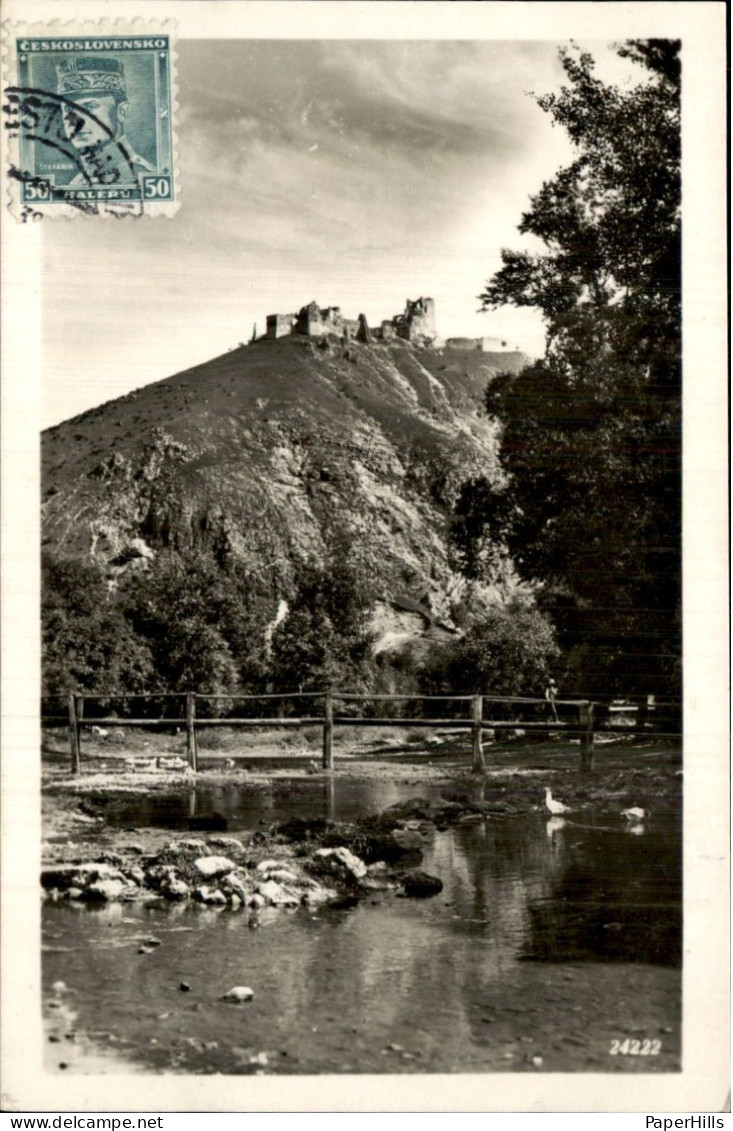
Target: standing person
[[551, 696]]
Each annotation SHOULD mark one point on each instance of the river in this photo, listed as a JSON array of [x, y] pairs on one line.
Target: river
[[553, 946]]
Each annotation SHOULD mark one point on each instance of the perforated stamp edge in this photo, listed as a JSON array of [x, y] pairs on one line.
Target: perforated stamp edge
[[11, 170]]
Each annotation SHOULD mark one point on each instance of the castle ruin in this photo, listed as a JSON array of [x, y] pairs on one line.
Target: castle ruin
[[416, 324]]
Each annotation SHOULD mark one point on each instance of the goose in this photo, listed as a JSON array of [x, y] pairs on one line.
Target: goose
[[555, 807], [634, 814]]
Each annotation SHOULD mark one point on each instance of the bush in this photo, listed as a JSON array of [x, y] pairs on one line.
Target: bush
[[509, 651]]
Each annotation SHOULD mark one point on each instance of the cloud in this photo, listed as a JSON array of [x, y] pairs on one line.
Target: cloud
[[355, 174]]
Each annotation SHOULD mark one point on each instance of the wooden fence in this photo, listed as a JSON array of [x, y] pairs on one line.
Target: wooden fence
[[580, 724]]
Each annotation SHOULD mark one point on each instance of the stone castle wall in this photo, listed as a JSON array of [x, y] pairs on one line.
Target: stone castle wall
[[486, 345], [416, 324], [279, 325]]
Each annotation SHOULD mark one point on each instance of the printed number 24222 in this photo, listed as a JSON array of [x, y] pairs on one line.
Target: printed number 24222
[[635, 1048]]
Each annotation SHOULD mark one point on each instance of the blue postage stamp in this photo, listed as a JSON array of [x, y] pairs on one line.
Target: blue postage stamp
[[89, 121]]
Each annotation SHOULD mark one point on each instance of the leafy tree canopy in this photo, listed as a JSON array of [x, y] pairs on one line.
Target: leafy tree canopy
[[510, 650], [87, 643], [326, 638], [592, 433], [204, 624]]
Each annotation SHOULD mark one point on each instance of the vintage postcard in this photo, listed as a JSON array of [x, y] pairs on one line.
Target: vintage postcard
[[364, 557]]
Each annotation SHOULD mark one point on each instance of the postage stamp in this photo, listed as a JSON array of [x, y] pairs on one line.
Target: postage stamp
[[89, 123]]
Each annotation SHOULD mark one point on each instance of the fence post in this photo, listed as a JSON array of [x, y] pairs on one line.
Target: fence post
[[586, 738], [476, 723], [328, 732], [191, 747], [74, 735]]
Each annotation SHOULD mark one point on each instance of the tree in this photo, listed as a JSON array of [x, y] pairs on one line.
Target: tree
[[591, 439], [87, 642], [202, 625], [326, 639], [509, 650]]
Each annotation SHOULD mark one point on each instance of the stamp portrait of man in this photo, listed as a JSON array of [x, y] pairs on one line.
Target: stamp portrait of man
[[95, 107]]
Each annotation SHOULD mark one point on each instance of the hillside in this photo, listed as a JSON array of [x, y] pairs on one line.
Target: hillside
[[271, 452]]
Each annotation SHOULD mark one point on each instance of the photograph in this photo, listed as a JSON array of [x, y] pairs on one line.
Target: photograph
[[365, 557]]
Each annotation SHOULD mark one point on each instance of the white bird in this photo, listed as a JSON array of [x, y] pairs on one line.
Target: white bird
[[634, 814], [555, 807]]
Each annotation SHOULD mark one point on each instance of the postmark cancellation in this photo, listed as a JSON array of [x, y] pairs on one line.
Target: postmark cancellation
[[89, 120]]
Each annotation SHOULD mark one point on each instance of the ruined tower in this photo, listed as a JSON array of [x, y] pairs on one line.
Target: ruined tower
[[419, 320]]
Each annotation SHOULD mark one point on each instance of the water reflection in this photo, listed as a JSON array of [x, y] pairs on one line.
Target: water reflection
[[245, 806], [553, 826], [616, 897]]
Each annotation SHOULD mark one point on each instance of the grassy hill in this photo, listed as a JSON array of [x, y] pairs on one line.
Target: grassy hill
[[270, 453]]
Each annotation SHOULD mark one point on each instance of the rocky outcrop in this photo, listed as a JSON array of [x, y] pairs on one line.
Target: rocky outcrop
[[269, 454]]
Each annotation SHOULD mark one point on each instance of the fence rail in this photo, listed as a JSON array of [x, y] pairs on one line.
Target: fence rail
[[582, 723]]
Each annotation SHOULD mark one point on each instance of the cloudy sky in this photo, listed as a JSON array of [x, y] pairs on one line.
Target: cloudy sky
[[356, 173]]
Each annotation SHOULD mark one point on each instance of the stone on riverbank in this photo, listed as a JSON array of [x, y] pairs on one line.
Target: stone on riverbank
[[213, 866], [276, 894], [233, 884], [316, 897], [174, 888], [269, 865], [205, 894], [188, 844], [282, 876], [105, 891], [65, 876], [229, 842], [238, 993], [341, 861]]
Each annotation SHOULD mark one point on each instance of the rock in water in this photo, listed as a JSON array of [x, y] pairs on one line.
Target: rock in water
[[105, 890], [205, 894], [175, 889], [238, 993], [276, 894], [342, 860], [421, 885], [211, 866]]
